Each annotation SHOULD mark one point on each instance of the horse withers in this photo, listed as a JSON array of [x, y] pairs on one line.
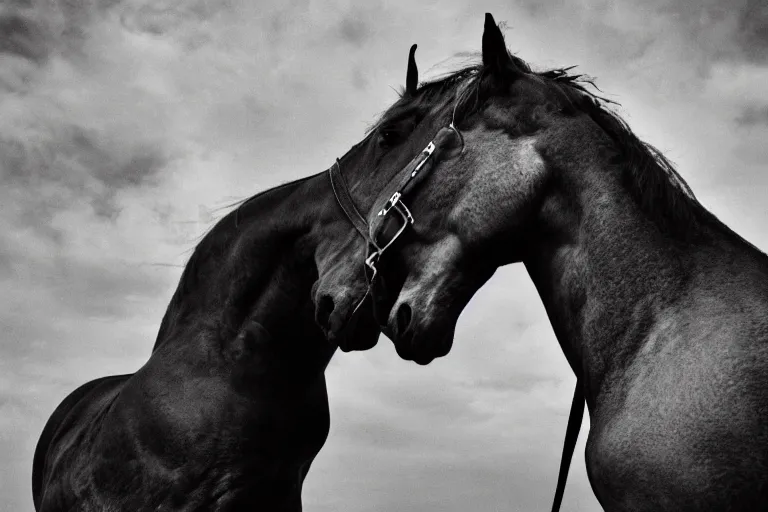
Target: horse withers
[[658, 306]]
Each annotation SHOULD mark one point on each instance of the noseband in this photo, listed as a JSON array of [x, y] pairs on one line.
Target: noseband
[[386, 205]]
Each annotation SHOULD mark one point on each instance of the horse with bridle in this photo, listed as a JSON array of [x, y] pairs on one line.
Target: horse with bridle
[[659, 308]]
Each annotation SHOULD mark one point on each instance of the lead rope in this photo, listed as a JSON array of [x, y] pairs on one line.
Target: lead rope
[[569, 445]]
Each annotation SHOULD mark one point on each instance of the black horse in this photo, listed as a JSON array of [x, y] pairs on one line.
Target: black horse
[[231, 408], [659, 307]]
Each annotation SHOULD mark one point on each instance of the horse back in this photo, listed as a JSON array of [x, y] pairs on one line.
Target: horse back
[[76, 413]]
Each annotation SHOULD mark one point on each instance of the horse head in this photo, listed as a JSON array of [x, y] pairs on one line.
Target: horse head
[[477, 194]]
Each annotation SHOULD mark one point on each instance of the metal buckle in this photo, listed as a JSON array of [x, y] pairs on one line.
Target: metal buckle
[[373, 258], [428, 150], [405, 212], [392, 202], [406, 218]]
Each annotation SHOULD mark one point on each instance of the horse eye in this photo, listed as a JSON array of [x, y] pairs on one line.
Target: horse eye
[[388, 137]]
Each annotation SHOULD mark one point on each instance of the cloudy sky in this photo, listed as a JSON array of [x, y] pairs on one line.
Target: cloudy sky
[[128, 127]]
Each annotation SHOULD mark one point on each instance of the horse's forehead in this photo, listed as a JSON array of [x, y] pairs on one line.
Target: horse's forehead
[[501, 172], [503, 166], [496, 153]]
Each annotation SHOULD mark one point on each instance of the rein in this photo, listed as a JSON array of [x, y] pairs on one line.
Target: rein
[[569, 445]]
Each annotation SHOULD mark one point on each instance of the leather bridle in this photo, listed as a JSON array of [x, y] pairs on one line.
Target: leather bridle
[[376, 227]]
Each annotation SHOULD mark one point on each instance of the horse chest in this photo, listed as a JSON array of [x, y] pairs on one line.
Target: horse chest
[[682, 434]]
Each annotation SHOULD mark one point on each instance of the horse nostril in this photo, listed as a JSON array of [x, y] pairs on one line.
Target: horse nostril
[[403, 319], [323, 313]]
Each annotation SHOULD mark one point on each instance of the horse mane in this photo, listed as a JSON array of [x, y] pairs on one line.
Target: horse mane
[[650, 177]]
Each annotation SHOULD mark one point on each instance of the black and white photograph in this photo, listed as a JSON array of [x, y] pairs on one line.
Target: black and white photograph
[[325, 256]]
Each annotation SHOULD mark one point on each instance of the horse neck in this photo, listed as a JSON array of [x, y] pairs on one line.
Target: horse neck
[[605, 269], [253, 272]]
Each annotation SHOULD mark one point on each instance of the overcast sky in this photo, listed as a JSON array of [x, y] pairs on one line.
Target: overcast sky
[[127, 127]]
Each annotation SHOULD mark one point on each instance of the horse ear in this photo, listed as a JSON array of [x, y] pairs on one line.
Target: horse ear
[[412, 78], [495, 53]]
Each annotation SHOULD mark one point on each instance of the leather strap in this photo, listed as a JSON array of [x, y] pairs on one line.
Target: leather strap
[[341, 191], [569, 445], [400, 184], [409, 177]]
